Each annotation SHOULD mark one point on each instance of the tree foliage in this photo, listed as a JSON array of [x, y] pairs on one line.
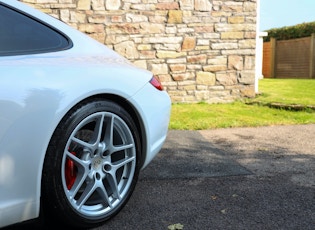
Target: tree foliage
[[291, 32]]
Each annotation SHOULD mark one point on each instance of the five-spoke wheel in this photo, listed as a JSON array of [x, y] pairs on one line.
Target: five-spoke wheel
[[92, 164]]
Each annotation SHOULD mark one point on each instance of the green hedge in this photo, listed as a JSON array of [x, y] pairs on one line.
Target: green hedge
[[291, 32]]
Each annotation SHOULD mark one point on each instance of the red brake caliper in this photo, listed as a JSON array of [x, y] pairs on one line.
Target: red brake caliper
[[70, 172]]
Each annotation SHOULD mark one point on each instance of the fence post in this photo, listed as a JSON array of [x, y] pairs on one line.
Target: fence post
[[273, 47], [312, 57]]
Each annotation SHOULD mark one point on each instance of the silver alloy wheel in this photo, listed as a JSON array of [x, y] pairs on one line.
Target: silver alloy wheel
[[98, 164]]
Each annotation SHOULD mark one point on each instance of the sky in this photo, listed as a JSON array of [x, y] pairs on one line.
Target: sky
[[280, 13]]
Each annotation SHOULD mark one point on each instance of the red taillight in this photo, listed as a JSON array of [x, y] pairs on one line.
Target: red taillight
[[156, 83]]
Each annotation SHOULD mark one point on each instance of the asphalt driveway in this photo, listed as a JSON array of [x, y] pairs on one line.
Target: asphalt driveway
[[243, 178]]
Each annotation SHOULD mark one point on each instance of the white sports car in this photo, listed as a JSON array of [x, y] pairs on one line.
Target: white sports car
[[77, 123]]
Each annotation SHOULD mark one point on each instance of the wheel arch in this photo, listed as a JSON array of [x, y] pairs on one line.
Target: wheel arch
[[127, 105]]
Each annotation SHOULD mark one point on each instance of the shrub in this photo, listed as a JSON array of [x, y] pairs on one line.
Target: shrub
[[291, 32]]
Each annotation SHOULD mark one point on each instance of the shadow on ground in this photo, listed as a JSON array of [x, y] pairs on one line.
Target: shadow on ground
[[214, 180]]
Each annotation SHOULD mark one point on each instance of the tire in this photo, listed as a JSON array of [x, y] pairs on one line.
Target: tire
[[91, 165]]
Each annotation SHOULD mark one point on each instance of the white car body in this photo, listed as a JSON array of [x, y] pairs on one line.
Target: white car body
[[36, 92]]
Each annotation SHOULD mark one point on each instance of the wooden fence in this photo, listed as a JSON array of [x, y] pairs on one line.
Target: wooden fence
[[294, 58]]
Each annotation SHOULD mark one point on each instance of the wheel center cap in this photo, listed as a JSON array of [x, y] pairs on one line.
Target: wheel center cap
[[97, 162]]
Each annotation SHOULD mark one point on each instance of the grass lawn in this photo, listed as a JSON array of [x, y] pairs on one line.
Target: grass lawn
[[287, 91], [251, 112]]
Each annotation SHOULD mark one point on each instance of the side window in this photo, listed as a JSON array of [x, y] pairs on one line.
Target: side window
[[20, 34]]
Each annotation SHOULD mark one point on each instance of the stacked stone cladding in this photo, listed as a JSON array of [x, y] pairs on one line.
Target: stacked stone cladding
[[201, 50]]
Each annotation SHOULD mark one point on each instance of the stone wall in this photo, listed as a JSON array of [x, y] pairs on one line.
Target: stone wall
[[202, 50]]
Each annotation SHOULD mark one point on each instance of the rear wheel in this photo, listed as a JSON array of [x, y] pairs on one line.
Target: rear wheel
[[92, 164]]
